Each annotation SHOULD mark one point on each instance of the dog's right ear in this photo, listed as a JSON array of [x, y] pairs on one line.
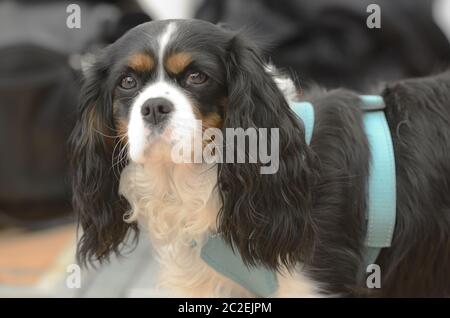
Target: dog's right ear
[[96, 200]]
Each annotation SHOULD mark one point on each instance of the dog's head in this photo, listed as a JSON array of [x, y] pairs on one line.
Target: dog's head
[[157, 86]]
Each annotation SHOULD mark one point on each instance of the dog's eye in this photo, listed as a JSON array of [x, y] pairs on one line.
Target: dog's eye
[[128, 82], [196, 78]]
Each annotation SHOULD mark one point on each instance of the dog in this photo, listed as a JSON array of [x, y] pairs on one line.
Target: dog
[[164, 80]]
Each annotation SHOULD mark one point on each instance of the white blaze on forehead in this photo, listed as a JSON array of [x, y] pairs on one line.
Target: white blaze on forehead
[[162, 42], [181, 125]]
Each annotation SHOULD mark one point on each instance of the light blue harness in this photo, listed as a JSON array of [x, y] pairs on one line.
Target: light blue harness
[[381, 206]]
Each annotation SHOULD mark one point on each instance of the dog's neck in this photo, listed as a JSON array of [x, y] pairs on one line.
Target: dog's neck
[[178, 203]]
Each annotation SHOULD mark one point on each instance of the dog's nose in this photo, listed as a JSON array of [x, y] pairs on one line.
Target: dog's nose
[[156, 110]]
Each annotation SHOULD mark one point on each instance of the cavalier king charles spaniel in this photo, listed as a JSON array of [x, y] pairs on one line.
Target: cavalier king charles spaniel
[[164, 81]]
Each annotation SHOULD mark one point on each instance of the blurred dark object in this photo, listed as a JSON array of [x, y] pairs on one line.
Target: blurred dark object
[[328, 42], [40, 72], [38, 92]]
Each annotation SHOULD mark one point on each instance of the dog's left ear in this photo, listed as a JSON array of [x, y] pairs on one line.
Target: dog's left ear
[[265, 216]]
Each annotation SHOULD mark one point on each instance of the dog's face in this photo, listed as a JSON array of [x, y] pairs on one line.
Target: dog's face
[[158, 85], [167, 80]]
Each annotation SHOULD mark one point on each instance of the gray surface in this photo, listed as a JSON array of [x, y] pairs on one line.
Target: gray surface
[[133, 275]]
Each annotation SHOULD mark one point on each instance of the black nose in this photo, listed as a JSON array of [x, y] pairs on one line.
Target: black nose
[[156, 110]]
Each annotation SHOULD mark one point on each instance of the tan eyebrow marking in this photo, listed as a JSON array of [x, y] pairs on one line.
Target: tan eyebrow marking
[[141, 62], [212, 120], [176, 63]]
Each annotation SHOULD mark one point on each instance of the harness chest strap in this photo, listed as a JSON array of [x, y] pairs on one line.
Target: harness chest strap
[[381, 203]]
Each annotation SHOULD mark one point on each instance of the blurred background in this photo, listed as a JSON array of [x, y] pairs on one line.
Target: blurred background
[[325, 42]]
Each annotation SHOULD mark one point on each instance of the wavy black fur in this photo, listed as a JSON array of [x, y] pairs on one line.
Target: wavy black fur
[[258, 208], [95, 183]]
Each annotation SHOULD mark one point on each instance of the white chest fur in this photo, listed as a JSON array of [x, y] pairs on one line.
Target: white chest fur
[[178, 204]]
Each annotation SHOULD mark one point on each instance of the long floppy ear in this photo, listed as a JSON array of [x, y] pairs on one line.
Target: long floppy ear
[[265, 216], [95, 179]]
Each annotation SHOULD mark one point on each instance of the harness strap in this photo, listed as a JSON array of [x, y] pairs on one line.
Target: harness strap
[[305, 111], [258, 279], [382, 194]]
